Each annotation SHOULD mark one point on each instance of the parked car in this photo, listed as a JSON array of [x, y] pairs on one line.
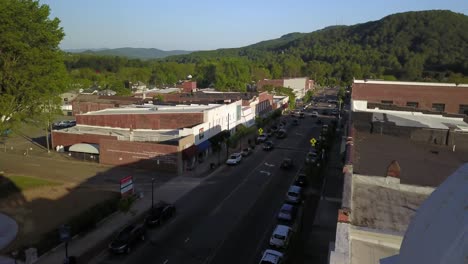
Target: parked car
[[294, 194], [159, 214], [325, 128], [271, 256], [287, 212], [261, 138], [127, 237], [301, 180], [287, 163], [311, 157], [334, 112], [63, 124], [281, 236], [234, 159], [301, 114], [314, 114], [246, 152], [268, 145]]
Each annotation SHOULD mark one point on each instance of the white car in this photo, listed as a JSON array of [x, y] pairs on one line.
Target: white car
[[262, 138], [281, 236], [314, 114], [234, 159], [271, 256]]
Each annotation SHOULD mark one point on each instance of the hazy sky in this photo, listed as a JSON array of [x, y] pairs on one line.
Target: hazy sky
[[212, 24]]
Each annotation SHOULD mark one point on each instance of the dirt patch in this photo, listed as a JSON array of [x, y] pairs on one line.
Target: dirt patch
[[41, 210]]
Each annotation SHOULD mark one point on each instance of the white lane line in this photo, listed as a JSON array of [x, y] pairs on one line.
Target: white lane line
[[266, 172], [269, 165], [233, 191], [166, 261], [186, 240]]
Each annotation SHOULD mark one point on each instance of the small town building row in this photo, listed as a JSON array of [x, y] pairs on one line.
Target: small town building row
[[171, 137]]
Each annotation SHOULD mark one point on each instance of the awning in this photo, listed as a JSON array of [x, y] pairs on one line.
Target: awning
[[85, 148], [189, 152], [203, 146]]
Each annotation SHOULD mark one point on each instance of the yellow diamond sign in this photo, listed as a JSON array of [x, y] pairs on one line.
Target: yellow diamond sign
[[313, 141], [260, 131]]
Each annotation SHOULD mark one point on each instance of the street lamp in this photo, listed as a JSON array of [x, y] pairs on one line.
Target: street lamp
[[152, 193]]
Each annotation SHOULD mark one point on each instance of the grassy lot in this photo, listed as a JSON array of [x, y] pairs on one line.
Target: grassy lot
[[15, 184]]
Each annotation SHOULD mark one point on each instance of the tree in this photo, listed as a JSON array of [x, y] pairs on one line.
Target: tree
[[31, 64]]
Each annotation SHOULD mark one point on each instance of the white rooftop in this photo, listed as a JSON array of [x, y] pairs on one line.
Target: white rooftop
[[411, 83], [154, 109]]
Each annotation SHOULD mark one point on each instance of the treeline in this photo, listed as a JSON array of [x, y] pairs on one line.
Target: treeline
[[413, 46]]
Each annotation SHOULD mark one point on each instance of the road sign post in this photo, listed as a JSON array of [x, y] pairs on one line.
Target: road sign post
[[313, 141]]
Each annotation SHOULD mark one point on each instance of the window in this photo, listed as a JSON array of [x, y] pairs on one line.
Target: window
[[201, 133], [438, 107], [463, 109], [387, 102], [412, 104]]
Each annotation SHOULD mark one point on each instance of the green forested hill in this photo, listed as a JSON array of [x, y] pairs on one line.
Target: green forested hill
[[425, 45], [136, 53], [413, 46]]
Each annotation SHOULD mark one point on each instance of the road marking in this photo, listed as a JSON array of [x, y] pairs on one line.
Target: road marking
[[187, 239], [233, 191], [299, 134], [269, 165], [166, 261], [266, 172]]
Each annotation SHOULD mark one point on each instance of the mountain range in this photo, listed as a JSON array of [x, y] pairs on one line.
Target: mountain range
[[133, 53]]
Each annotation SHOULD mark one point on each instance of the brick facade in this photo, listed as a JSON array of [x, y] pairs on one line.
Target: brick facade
[[401, 94], [139, 154], [67, 139], [274, 83], [147, 121]]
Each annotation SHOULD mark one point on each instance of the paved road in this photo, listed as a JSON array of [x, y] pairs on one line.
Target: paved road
[[229, 217]]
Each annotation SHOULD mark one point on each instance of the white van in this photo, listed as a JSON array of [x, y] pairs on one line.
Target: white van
[[281, 236], [294, 194]]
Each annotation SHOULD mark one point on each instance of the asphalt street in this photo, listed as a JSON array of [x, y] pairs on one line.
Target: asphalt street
[[229, 217]]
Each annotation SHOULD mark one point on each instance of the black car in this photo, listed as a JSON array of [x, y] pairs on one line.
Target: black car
[[281, 133], [287, 163], [127, 237], [159, 214], [268, 145], [301, 115], [301, 180]]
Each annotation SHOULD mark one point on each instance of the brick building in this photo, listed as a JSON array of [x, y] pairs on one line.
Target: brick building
[[436, 97], [87, 103]]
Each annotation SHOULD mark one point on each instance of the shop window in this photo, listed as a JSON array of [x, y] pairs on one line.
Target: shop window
[[412, 104], [463, 109], [387, 102]]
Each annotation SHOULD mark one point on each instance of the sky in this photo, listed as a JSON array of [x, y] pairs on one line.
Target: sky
[[213, 24]]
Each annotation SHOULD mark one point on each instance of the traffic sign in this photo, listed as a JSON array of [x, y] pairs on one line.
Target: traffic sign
[[313, 141], [260, 131]]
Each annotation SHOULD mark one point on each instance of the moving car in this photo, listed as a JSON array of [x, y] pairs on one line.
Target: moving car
[[127, 237], [287, 163], [246, 152], [281, 236], [268, 145], [271, 256], [160, 213], [287, 212], [234, 159], [294, 194], [281, 133]]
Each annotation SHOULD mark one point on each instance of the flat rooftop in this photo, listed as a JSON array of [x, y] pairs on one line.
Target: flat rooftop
[[363, 252], [386, 207], [154, 109], [421, 163], [418, 119], [410, 83], [138, 135]]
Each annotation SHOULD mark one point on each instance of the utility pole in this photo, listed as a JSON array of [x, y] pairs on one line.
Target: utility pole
[[227, 140], [152, 194]]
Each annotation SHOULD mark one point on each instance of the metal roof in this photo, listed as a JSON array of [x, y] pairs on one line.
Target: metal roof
[[85, 148]]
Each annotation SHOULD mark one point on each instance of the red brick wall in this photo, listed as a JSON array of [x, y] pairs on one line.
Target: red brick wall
[[67, 139], [452, 97], [189, 86], [143, 121], [277, 82], [139, 154], [85, 107]]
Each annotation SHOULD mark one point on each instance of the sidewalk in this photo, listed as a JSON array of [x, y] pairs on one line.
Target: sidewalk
[[87, 246]]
